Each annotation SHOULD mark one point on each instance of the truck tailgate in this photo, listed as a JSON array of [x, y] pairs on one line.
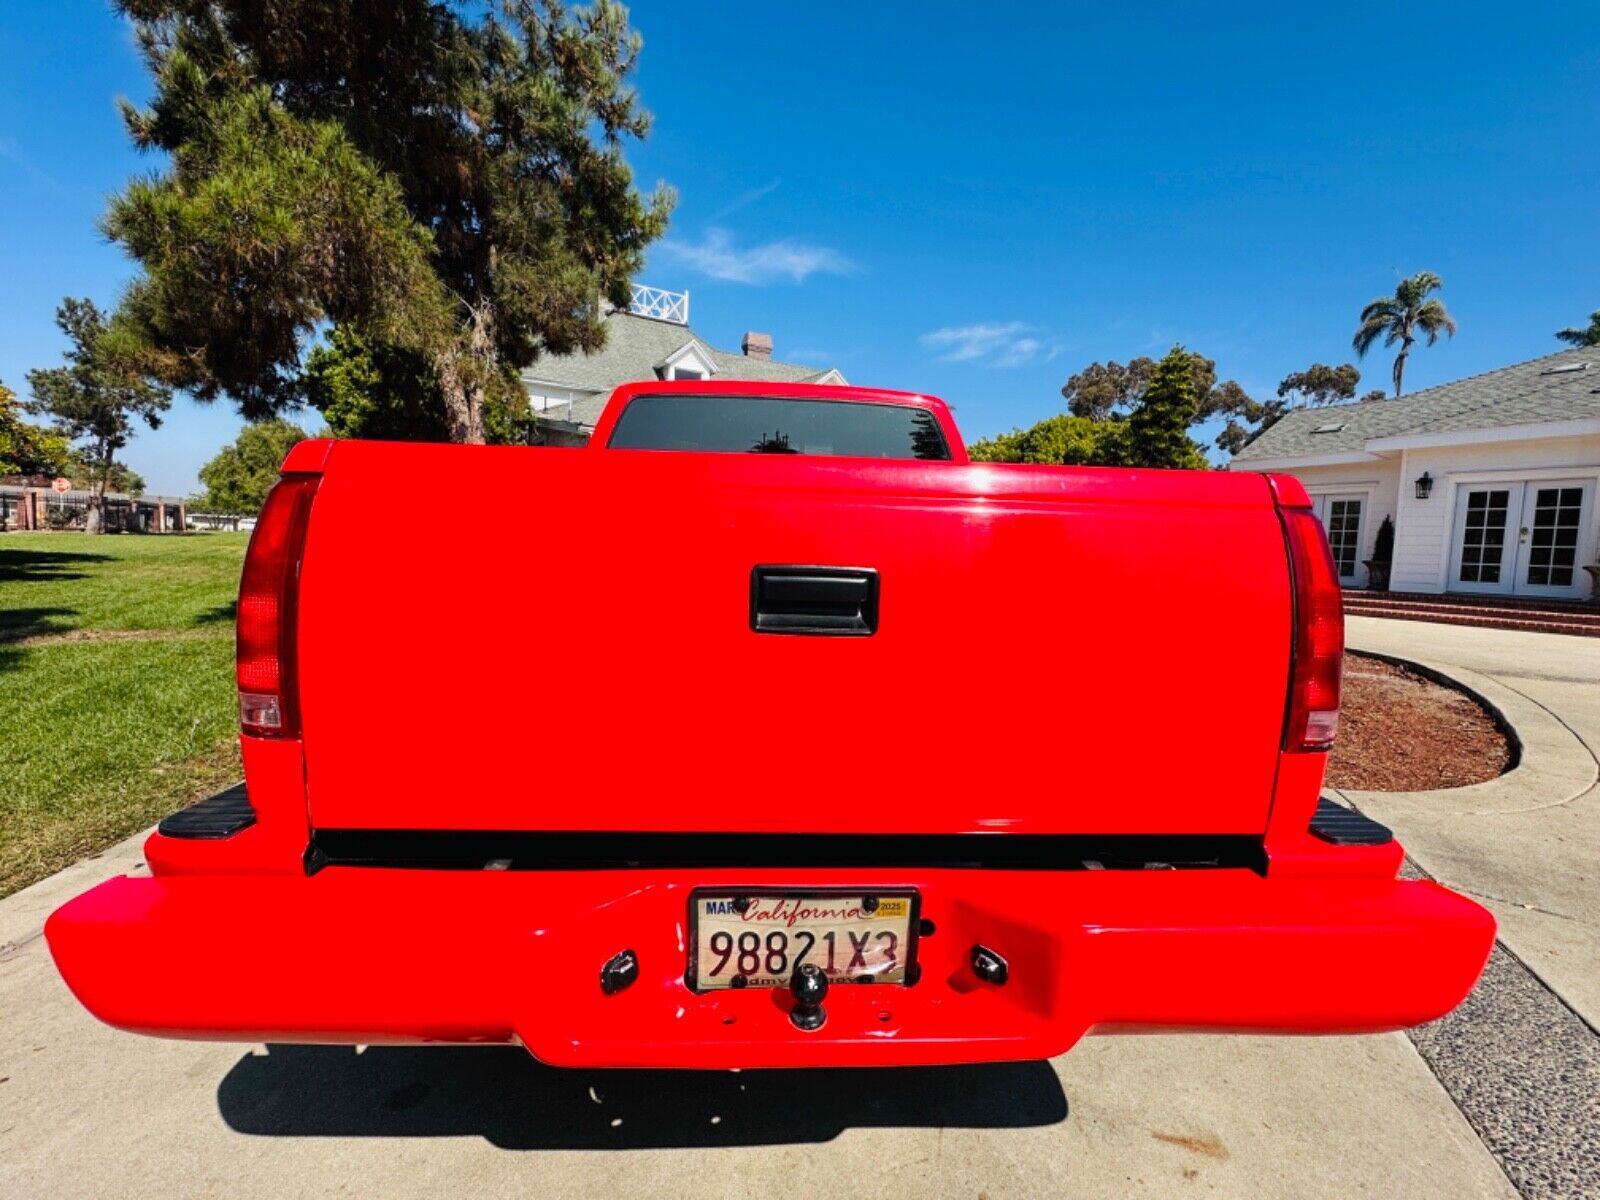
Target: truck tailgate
[[542, 639]]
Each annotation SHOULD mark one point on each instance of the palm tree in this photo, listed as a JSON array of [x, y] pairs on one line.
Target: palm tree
[[1401, 317], [1583, 337]]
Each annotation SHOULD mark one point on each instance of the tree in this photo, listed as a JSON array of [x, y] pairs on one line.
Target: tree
[[1061, 441], [1401, 317], [1318, 385], [444, 181], [1101, 390], [1111, 391], [368, 390], [238, 479], [27, 449], [371, 389], [121, 477], [1158, 428], [95, 398], [1588, 336]]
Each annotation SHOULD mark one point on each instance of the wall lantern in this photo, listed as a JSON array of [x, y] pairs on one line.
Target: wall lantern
[[1424, 485]]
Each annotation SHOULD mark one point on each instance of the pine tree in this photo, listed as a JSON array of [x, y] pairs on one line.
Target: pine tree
[[95, 398], [1158, 428], [445, 180]]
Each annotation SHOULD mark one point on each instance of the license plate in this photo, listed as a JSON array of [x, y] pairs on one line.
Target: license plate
[[758, 939]]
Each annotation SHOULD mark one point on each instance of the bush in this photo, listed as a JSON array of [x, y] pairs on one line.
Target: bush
[[1383, 545]]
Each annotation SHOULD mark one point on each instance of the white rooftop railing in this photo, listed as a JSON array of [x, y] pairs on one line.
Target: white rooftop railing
[[660, 304]]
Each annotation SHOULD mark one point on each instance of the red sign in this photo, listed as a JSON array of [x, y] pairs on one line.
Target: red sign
[[61, 485]]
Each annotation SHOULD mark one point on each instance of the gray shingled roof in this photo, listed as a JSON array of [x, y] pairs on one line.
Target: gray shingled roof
[[1524, 394], [635, 347]]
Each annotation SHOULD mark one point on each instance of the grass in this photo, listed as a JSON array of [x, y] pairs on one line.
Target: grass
[[116, 688]]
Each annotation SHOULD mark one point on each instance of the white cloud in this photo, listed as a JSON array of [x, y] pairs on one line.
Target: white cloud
[[716, 255], [745, 199], [1000, 344]]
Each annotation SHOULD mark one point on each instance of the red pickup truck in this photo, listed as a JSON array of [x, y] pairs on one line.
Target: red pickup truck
[[770, 731]]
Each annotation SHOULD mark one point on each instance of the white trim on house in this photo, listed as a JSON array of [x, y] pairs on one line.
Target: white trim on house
[[1310, 460], [1474, 437]]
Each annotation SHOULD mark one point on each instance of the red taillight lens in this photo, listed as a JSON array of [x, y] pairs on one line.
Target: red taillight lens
[[267, 589], [1318, 635]]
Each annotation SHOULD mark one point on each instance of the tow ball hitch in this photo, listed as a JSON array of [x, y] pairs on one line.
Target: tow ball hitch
[[808, 987]]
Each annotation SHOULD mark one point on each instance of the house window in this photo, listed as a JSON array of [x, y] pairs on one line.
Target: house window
[[1483, 538], [1344, 534], [685, 373], [1553, 551]]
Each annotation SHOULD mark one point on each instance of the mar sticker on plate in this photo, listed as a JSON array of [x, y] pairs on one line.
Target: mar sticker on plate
[[755, 939]]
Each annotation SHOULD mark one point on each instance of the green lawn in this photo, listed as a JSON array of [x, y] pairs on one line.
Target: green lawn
[[116, 688]]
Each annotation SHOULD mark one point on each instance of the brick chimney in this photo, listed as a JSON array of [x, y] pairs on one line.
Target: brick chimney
[[757, 345]]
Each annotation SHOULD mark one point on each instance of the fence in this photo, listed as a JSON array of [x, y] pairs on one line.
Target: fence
[[23, 507]]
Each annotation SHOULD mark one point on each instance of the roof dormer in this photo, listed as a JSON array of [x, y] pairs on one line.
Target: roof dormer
[[689, 361]]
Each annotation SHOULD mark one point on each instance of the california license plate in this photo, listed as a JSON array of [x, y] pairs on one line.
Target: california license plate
[[759, 939]]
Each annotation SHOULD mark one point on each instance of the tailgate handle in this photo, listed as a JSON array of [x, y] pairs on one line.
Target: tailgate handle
[[830, 601]]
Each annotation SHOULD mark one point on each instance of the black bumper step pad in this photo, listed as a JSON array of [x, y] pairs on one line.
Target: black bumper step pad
[[1343, 826], [219, 816]]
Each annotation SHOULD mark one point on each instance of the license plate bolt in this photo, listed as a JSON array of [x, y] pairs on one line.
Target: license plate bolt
[[620, 971], [989, 966]]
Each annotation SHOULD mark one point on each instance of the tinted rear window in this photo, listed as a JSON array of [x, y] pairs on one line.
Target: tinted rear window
[[770, 425]]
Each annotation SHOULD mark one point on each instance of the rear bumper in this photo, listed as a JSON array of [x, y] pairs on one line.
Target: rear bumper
[[386, 955]]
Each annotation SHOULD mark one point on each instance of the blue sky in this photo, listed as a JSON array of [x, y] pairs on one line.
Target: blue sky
[[930, 199]]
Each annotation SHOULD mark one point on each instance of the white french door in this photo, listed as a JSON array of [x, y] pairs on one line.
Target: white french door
[[1344, 518], [1521, 538]]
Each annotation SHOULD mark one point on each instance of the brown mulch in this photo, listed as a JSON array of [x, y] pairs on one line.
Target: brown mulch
[[1402, 732]]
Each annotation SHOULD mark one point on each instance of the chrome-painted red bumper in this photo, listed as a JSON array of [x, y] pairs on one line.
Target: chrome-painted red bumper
[[385, 955]]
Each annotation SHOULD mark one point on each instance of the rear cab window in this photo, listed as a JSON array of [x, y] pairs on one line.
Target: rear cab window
[[775, 425]]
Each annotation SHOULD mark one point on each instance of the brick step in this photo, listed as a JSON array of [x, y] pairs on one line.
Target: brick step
[[1525, 622], [1458, 600], [1557, 616]]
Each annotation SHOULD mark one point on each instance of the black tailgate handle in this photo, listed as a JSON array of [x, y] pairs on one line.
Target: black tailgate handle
[[828, 601]]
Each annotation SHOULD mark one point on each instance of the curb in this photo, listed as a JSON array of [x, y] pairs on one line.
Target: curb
[[1551, 765]]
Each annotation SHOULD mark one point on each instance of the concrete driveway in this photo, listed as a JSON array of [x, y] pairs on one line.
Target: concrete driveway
[[1527, 845], [1522, 1055], [86, 1111]]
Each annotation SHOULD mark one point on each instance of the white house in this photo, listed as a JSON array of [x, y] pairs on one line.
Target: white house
[[650, 339], [1490, 480]]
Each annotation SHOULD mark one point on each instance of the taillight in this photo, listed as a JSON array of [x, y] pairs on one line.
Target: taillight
[[1318, 635], [266, 618]]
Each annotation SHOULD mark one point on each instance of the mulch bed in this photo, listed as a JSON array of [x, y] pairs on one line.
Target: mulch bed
[[1402, 732]]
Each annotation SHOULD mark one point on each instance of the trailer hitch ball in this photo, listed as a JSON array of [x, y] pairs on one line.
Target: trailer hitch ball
[[808, 987]]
